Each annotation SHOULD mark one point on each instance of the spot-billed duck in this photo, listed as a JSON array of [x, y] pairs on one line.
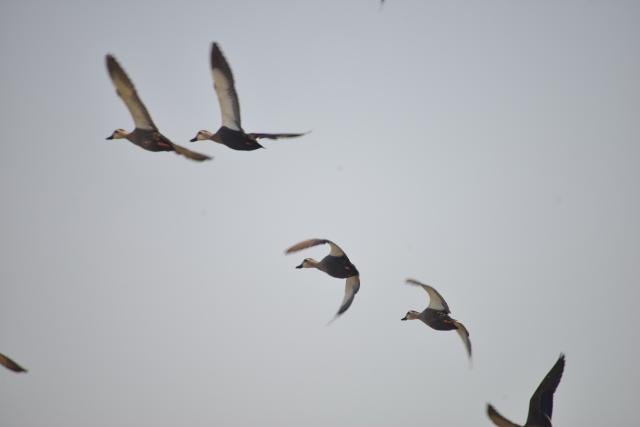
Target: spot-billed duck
[[231, 133], [146, 134], [336, 264], [436, 315]]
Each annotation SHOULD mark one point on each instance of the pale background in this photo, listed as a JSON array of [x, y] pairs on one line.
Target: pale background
[[489, 148]]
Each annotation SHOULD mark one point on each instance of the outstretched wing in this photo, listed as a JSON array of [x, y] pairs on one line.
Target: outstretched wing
[[126, 91], [225, 89], [436, 302], [464, 334], [190, 154], [10, 364], [541, 403], [498, 419], [275, 135], [335, 249], [351, 288]]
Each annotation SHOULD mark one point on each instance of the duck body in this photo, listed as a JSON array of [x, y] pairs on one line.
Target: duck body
[[338, 266], [437, 320], [150, 140], [236, 139]]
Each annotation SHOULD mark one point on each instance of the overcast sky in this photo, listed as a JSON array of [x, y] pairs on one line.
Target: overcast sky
[[489, 148]]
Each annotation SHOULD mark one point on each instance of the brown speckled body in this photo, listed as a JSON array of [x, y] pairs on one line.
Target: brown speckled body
[[150, 140]]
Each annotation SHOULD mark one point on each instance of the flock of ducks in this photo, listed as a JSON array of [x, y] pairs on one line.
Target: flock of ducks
[[146, 134], [336, 264]]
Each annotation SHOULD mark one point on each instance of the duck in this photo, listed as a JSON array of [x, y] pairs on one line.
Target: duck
[[145, 134], [231, 133], [436, 315], [541, 403], [336, 264], [10, 364]]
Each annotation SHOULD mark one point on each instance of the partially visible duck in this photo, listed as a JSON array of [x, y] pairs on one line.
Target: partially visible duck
[[336, 264], [541, 403], [231, 133], [10, 364], [146, 134], [436, 315]]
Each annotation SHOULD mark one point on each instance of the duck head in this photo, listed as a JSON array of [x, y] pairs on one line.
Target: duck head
[[411, 315], [202, 135], [118, 134], [308, 263]]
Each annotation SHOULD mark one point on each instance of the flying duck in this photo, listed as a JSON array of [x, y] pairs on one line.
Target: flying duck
[[541, 403], [231, 133], [436, 315], [146, 134], [336, 264], [10, 364]]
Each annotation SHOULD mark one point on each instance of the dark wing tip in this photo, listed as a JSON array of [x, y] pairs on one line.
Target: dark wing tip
[[111, 61], [114, 67], [558, 369], [217, 57]]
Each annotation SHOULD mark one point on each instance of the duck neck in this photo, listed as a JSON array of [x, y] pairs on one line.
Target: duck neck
[[312, 263]]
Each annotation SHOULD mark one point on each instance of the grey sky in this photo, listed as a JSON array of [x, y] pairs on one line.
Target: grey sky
[[487, 148]]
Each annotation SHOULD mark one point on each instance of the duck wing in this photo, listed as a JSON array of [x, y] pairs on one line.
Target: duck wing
[[351, 288], [541, 403], [10, 364], [127, 91], [189, 154], [498, 419], [464, 334], [335, 249], [225, 89], [275, 135], [436, 302]]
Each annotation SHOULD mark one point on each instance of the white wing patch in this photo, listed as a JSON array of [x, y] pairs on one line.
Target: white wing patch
[[335, 249], [228, 100], [127, 92], [436, 302]]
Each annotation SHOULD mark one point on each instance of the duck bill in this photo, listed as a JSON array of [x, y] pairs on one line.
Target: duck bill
[[299, 266], [404, 318], [194, 139], [109, 137]]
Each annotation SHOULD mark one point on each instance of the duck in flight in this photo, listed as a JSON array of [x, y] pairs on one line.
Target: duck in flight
[[231, 133], [336, 264], [541, 403], [436, 315], [146, 134], [10, 364]]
